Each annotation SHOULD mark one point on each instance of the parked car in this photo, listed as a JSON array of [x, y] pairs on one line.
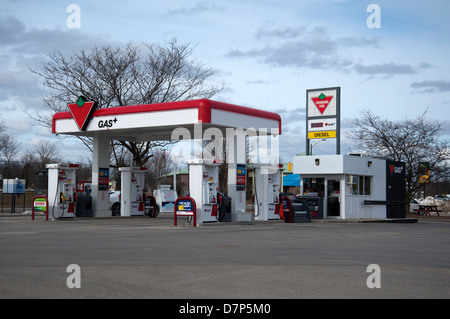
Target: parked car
[[442, 197], [114, 203], [413, 205]]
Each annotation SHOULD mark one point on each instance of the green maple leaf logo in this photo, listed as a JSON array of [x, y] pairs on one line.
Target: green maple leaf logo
[[322, 96], [81, 101]]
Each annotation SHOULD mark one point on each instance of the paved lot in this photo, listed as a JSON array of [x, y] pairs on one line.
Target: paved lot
[[149, 258]]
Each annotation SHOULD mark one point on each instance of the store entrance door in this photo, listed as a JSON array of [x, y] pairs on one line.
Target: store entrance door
[[333, 198]]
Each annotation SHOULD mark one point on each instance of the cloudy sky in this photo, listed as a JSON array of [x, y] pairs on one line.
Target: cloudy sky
[[267, 53]]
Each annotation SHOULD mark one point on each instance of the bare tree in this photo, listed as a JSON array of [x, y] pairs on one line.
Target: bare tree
[[10, 148], [46, 153], [2, 127], [6, 143], [410, 141], [160, 164], [124, 75]]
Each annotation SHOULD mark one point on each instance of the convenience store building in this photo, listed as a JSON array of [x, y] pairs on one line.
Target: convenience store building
[[353, 187]]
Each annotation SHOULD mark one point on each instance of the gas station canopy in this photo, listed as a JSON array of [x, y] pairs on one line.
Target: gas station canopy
[[158, 122], [153, 122]]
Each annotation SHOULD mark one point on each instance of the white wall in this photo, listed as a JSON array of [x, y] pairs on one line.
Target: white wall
[[329, 164], [352, 206]]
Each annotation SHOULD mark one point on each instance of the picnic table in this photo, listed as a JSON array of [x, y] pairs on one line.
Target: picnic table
[[427, 209]]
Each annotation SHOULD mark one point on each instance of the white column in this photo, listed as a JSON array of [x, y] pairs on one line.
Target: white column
[[236, 150], [100, 159], [125, 191], [261, 192], [53, 190], [196, 190]]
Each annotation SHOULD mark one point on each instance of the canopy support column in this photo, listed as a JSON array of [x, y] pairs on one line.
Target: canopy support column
[[236, 150], [100, 167]]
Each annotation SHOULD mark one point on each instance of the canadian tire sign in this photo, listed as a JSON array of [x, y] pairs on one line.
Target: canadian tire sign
[[82, 111], [323, 115], [321, 102]]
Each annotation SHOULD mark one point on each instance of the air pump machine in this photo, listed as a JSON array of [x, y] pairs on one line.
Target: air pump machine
[[203, 187], [267, 192], [165, 198], [62, 181], [132, 191]]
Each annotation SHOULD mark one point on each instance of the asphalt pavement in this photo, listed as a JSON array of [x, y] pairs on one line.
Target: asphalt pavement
[[141, 257]]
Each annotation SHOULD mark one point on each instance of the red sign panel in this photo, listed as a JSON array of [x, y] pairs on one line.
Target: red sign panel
[[82, 111], [321, 102]]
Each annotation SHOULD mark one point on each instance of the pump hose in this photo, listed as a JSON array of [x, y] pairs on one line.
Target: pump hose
[[54, 202], [219, 207], [256, 197]]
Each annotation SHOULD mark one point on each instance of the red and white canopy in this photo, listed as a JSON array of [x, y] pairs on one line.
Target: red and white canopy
[[149, 122]]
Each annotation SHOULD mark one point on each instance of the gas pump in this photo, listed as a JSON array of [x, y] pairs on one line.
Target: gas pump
[[211, 193], [132, 191], [62, 189], [203, 187], [267, 192]]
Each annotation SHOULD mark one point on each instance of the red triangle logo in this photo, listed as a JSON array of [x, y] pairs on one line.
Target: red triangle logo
[[82, 112], [321, 102], [391, 168]]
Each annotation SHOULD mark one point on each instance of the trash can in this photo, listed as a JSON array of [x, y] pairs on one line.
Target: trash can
[[224, 208], [84, 205]]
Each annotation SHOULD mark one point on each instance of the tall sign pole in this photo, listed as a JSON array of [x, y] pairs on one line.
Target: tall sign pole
[[323, 116]]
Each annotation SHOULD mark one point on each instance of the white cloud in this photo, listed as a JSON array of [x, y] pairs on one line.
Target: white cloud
[[198, 8], [304, 47], [268, 52], [430, 86], [389, 69]]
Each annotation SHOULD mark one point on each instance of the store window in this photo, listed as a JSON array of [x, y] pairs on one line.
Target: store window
[[314, 186], [361, 185], [355, 187], [367, 188]]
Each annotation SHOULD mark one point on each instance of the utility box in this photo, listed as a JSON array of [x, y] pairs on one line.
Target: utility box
[[84, 205], [224, 208], [14, 186]]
